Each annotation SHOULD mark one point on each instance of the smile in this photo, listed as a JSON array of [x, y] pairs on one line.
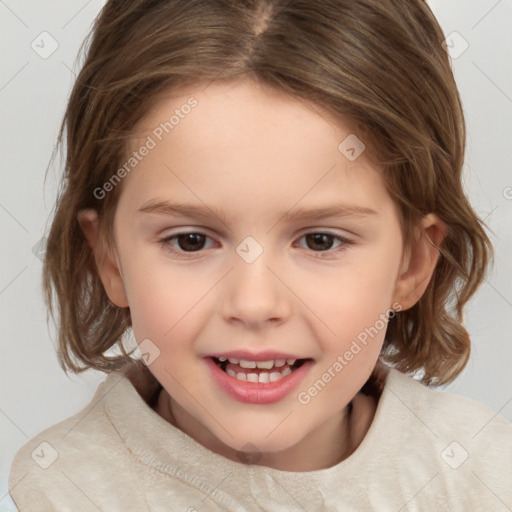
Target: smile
[[258, 371], [257, 382]]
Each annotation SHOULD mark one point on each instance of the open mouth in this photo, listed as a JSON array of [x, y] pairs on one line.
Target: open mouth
[[258, 371]]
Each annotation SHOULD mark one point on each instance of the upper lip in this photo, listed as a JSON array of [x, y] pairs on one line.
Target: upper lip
[[267, 355]]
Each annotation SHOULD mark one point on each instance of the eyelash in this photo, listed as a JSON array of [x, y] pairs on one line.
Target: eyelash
[[166, 243]]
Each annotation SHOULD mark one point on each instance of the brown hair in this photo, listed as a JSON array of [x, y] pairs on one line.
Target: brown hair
[[376, 63]]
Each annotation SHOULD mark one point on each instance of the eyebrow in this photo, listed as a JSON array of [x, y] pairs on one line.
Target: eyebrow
[[205, 213]]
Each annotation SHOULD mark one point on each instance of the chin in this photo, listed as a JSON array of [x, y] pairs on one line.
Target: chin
[[257, 441]]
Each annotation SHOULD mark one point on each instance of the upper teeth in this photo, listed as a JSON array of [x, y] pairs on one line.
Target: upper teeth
[[264, 365]]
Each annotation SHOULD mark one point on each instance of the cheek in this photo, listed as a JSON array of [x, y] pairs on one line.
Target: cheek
[[163, 299], [350, 305], [171, 315], [354, 294], [353, 305]]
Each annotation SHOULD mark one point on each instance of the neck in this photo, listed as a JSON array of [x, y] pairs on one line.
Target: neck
[[346, 431]]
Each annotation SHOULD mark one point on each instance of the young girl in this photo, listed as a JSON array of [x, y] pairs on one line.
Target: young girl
[[267, 195]]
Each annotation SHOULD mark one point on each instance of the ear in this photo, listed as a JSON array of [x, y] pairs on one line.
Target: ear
[[419, 261], [108, 267]]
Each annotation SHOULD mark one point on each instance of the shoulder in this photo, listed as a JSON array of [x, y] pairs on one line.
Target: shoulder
[[464, 446], [42, 469], [444, 411]]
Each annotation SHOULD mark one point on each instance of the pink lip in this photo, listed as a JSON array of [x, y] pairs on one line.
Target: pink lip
[[255, 392], [252, 356]]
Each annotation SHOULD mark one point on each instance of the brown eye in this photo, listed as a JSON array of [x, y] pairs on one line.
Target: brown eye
[[191, 241], [320, 241], [183, 243], [324, 245]]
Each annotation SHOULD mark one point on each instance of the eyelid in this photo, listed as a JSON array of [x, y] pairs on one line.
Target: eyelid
[[327, 231], [183, 230]]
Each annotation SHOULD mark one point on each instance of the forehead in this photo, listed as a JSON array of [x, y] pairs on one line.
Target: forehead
[[244, 145], [223, 108]]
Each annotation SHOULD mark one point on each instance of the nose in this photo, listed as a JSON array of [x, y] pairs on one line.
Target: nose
[[254, 294]]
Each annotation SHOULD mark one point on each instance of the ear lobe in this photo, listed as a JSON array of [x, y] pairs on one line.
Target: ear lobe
[[108, 267], [420, 262]]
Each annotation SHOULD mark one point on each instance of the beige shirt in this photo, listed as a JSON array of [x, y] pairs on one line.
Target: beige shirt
[[425, 450]]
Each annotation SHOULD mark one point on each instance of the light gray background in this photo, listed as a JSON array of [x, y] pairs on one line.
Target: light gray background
[[35, 393]]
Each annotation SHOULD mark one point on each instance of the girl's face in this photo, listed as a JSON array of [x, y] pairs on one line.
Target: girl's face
[[246, 233]]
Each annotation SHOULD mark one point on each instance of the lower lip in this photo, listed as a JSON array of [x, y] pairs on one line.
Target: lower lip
[[255, 392]]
